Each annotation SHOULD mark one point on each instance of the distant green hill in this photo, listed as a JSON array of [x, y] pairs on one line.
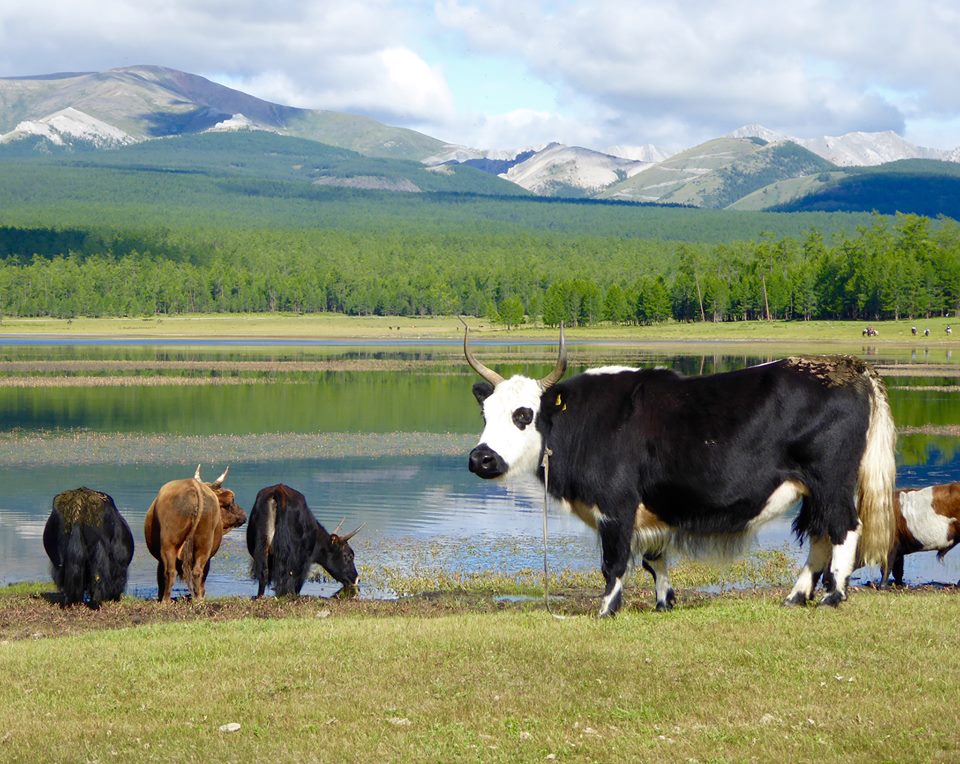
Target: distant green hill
[[920, 186], [719, 173], [769, 164], [666, 180], [244, 162], [155, 102], [253, 179]]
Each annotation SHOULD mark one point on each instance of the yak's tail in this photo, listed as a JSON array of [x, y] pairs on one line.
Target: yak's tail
[[100, 573], [286, 562], [876, 479], [74, 570], [185, 553], [262, 533]]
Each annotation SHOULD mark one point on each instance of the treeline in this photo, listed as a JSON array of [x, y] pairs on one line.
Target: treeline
[[907, 266]]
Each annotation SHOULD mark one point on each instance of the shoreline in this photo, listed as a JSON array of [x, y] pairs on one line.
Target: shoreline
[[325, 328]]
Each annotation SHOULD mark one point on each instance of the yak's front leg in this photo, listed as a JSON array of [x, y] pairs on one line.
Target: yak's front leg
[[615, 543]]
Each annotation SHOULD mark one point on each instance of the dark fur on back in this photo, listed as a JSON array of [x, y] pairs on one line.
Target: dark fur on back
[[90, 546], [285, 539], [704, 453]]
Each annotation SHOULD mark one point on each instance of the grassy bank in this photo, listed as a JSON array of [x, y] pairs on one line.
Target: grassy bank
[[730, 678], [338, 326]]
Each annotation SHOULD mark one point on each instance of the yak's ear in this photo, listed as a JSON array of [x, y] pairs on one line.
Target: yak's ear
[[482, 391]]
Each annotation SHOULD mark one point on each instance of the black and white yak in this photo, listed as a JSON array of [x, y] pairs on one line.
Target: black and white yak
[[90, 546], [654, 460], [285, 539]]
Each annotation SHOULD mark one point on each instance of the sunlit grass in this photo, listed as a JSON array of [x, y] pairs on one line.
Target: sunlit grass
[[732, 678]]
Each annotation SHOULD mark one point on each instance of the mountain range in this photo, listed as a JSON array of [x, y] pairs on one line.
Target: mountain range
[[751, 168]]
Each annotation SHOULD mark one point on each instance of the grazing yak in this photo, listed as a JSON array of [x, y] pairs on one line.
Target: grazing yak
[[184, 527], [285, 539], [654, 460], [89, 545], [928, 520]]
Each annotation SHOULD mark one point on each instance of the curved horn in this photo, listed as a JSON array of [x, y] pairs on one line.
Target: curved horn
[[196, 475], [219, 481], [352, 533], [561, 366], [487, 373]]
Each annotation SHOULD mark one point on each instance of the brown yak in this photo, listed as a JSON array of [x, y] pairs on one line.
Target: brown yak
[[184, 527]]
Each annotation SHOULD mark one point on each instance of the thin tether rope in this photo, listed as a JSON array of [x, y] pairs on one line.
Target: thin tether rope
[[547, 453]]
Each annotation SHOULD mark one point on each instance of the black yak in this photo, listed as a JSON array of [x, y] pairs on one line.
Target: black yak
[[89, 545], [285, 539]]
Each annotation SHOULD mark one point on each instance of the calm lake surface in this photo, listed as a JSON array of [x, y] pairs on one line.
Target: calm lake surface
[[370, 432]]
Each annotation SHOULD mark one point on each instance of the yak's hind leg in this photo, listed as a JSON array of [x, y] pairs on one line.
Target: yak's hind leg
[[818, 558], [168, 564], [842, 563], [657, 567], [651, 539]]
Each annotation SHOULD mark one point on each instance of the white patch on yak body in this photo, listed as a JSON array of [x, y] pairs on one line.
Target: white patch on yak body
[[788, 495], [519, 449], [610, 370], [930, 529]]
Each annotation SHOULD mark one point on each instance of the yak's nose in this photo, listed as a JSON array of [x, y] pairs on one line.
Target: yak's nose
[[486, 463]]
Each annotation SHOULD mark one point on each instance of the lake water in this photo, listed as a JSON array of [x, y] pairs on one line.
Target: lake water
[[371, 433]]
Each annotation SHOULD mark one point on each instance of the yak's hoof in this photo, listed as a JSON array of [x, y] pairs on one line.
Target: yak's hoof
[[611, 604], [795, 600], [833, 599], [667, 604]]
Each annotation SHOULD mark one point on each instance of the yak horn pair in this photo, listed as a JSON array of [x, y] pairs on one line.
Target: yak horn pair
[[349, 535], [495, 379], [216, 483]]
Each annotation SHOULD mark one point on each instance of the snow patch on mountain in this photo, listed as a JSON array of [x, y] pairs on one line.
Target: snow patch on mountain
[[68, 125], [558, 166], [644, 153], [859, 149], [856, 149], [761, 132]]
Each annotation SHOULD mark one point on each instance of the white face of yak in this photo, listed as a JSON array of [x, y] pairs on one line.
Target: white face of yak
[[510, 443]]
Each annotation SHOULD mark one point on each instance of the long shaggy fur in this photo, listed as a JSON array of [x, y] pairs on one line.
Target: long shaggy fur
[[90, 546], [876, 479], [285, 540], [281, 538]]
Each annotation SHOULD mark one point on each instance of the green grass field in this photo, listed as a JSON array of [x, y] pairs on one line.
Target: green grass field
[[729, 678]]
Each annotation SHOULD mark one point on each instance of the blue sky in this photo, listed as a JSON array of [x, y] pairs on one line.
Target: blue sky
[[605, 74]]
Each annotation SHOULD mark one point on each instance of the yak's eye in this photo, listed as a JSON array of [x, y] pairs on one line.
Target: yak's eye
[[522, 417]]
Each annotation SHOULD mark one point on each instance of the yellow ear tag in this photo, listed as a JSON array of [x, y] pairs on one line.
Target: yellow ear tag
[[560, 404]]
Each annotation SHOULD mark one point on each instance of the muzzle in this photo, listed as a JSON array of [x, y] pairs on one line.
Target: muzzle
[[487, 463]]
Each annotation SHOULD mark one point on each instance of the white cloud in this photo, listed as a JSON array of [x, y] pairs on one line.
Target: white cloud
[[809, 66], [524, 128], [602, 72]]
